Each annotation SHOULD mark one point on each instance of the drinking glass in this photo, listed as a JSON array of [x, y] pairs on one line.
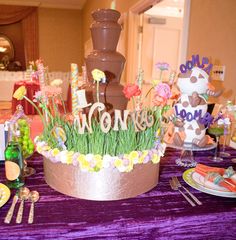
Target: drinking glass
[[233, 141], [223, 153], [217, 130], [28, 171]]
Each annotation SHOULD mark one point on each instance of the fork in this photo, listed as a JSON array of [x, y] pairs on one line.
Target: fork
[[174, 187], [179, 185]]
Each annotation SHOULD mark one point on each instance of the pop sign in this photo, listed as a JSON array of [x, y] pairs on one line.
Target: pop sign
[[195, 62]]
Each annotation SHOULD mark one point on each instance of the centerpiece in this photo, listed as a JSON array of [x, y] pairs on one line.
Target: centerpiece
[[94, 153], [100, 156]]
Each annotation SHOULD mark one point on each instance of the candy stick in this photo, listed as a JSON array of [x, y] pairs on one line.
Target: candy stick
[[42, 84], [74, 87]]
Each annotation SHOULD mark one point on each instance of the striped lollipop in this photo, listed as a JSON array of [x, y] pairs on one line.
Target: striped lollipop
[[74, 87]]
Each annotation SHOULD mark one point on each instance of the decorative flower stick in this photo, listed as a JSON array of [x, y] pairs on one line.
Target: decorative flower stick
[[20, 93], [74, 87], [130, 91], [139, 83], [162, 66]]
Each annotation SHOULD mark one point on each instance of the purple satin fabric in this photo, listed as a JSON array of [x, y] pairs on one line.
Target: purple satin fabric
[[159, 214]]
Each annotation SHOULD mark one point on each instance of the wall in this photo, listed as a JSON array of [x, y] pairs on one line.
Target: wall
[[60, 38], [88, 8], [212, 33]]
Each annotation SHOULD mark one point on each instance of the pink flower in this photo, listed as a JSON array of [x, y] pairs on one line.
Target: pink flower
[[38, 96], [163, 90], [131, 90]]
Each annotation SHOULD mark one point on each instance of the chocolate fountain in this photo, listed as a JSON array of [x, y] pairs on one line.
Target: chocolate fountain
[[105, 32]]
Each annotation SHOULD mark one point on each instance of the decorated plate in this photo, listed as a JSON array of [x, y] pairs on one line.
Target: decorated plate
[[198, 182], [4, 194]]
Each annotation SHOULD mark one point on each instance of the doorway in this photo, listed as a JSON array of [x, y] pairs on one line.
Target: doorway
[[158, 32]]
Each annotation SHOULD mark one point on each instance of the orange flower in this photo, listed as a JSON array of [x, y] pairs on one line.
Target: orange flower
[[159, 101]]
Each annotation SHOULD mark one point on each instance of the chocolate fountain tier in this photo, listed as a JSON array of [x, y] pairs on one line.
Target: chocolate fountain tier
[[110, 62], [105, 36], [105, 30], [110, 94], [101, 15]]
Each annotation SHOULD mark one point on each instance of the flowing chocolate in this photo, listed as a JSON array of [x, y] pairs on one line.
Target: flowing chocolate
[[105, 32]]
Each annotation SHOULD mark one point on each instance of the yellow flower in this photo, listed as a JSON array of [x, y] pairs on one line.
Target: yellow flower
[[155, 158], [81, 158], [144, 154], [84, 164], [155, 82], [55, 151], [133, 155], [20, 93], [69, 157], [56, 82], [45, 148], [39, 149], [129, 167], [118, 163], [98, 75], [98, 159]]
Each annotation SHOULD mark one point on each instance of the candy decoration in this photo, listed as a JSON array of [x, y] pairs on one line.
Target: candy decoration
[[60, 135], [24, 139], [81, 98], [84, 74], [41, 74], [98, 76], [196, 62], [172, 78], [74, 88]]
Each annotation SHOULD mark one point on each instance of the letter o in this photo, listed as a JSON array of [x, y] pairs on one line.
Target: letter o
[[183, 113], [189, 116], [183, 68], [105, 122], [189, 65]]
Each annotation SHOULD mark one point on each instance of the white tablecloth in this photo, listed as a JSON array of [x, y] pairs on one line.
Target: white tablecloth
[[7, 80]]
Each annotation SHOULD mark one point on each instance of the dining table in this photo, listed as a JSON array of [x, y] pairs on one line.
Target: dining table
[[160, 213], [32, 87]]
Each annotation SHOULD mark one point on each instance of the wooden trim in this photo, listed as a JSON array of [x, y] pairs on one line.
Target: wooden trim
[[143, 5], [133, 21], [132, 38], [185, 32]]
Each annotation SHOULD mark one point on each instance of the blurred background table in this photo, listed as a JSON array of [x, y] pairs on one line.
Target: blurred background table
[[32, 87], [158, 214]]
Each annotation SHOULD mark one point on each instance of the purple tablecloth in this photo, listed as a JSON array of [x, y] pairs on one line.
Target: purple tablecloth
[[158, 214]]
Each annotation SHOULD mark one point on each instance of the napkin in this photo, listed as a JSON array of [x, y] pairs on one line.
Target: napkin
[[222, 177]]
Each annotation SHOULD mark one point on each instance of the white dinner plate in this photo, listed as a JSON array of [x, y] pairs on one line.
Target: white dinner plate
[[197, 181], [4, 194]]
